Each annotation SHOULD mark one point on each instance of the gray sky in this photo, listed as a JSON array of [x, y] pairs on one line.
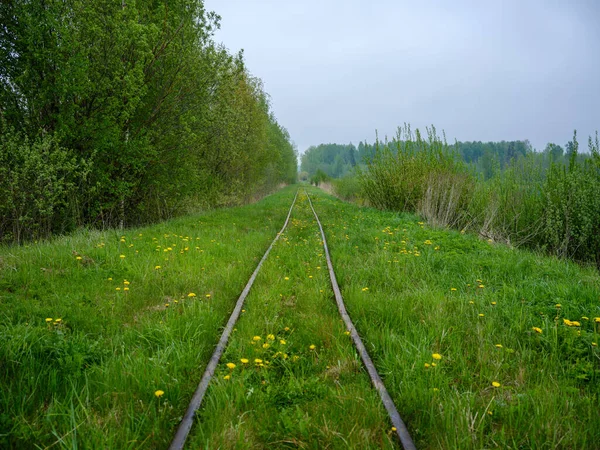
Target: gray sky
[[337, 70]]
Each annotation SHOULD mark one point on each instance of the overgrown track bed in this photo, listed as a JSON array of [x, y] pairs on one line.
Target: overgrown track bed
[[290, 376]]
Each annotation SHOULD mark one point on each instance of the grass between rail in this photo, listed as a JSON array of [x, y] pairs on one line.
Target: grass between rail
[[290, 377], [480, 345]]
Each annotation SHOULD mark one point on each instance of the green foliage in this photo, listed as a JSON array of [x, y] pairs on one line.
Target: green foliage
[[348, 188], [542, 200], [319, 177], [165, 119], [334, 160]]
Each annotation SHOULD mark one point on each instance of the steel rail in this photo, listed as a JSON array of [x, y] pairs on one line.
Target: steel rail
[[188, 419], [397, 421]]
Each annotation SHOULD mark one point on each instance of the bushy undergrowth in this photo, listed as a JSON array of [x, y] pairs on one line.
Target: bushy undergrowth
[[557, 210]]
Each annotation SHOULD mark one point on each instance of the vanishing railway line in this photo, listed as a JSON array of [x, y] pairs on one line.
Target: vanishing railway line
[[185, 426]]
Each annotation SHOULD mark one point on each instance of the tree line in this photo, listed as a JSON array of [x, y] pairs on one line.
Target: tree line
[[121, 112], [486, 158]]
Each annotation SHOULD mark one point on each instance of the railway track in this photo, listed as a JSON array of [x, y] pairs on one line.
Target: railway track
[[185, 426]]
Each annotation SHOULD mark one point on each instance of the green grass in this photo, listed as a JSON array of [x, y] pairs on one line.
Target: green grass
[[423, 298], [89, 380]]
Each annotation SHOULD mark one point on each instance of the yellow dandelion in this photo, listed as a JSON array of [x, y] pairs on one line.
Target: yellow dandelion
[[498, 345], [481, 315], [394, 429], [256, 338], [453, 289], [191, 294], [159, 393], [282, 342], [230, 366], [537, 330], [78, 258], [585, 318], [347, 333], [365, 289], [594, 344], [125, 288], [266, 345], [208, 295], [110, 279], [436, 356], [481, 286], [157, 267], [558, 305], [496, 384], [286, 278], [493, 303], [121, 256], [312, 346], [286, 329], [49, 319], [427, 365], [433, 364], [227, 377], [258, 361], [244, 360], [597, 319], [271, 337]]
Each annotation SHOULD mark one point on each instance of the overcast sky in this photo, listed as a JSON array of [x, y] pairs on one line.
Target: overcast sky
[[337, 70]]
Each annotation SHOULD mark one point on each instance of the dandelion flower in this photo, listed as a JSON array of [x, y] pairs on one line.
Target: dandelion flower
[[256, 338], [156, 267], [499, 345], [286, 329], [230, 366], [49, 319], [122, 256], [125, 288], [453, 289], [537, 330], [493, 303], [597, 319], [427, 365], [481, 286], [258, 361], [365, 289], [282, 342], [266, 345], [191, 294], [436, 356], [286, 278], [78, 258], [227, 377], [110, 279], [312, 346], [271, 337], [159, 393], [481, 315], [347, 333], [558, 305], [394, 429], [208, 295], [496, 384], [244, 360]]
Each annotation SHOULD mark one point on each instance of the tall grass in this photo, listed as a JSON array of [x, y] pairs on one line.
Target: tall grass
[[556, 210]]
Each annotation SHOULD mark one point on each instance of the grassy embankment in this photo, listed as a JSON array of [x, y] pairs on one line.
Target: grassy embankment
[[489, 313], [93, 324]]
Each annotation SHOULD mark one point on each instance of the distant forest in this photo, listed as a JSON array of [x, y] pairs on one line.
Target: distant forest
[[487, 158]]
